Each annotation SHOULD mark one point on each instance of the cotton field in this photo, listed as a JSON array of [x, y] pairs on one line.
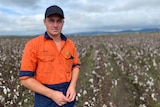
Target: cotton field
[[116, 71]]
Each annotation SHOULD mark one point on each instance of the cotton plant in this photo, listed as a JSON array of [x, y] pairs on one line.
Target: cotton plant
[[131, 61]]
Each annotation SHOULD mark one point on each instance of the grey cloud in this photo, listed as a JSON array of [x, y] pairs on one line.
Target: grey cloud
[[132, 5], [19, 3], [81, 15]]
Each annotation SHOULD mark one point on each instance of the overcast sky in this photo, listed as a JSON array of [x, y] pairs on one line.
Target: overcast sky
[[25, 17]]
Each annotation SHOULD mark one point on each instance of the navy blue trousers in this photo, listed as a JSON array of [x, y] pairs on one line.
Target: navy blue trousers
[[43, 101]]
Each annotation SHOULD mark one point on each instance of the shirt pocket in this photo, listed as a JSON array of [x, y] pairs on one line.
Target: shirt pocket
[[45, 63], [68, 57]]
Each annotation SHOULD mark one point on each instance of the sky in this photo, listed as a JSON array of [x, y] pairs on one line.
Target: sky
[[25, 17]]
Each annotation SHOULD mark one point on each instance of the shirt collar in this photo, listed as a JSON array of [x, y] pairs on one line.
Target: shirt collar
[[48, 37]]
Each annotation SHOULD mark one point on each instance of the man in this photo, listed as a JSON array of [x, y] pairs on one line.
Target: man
[[50, 64]]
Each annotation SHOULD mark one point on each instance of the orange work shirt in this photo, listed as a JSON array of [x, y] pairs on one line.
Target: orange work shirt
[[42, 59]]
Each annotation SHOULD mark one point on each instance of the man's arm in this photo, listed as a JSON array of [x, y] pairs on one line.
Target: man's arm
[[71, 92], [36, 86]]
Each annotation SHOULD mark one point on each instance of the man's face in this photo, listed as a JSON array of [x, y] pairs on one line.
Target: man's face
[[54, 24]]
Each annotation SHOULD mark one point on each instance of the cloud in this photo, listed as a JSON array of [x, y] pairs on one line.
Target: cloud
[[19, 3], [26, 17]]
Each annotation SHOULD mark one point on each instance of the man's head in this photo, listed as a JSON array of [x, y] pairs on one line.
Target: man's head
[[54, 20], [54, 10]]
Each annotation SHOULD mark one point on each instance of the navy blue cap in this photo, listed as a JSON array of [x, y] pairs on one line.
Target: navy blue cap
[[54, 10]]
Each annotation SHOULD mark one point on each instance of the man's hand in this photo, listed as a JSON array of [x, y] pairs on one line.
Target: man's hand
[[59, 98], [71, 94]]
